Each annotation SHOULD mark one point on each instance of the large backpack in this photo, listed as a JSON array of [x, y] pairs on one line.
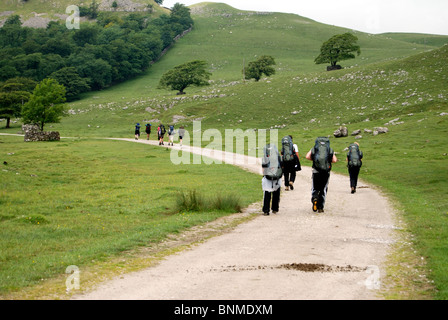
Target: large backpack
[[287, 149], [354, 156], [270, 163], [162, 129], [171, 130], [322, 154]]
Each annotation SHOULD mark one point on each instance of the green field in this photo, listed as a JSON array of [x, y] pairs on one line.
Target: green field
[[78, 201], [399, 81]]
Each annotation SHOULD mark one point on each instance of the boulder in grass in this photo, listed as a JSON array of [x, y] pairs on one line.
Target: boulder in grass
[[341, 132]]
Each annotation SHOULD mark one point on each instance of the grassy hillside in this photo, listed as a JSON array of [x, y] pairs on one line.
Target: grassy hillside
[[394, 83], [53, 9], [225, 38], [417, 38]]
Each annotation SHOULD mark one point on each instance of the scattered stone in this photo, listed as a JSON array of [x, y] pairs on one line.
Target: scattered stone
[[341, 132], [381, 130], [178, 118], [356, 132]]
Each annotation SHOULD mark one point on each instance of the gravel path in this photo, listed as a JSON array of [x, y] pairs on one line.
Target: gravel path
[[295, 254]]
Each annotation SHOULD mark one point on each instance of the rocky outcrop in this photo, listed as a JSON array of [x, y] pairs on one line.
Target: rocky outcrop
[[336, 67]]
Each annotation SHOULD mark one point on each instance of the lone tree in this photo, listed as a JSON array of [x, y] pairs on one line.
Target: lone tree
[[13, 94], [192, 73], [257, 68], [338, 48], [45, 104]]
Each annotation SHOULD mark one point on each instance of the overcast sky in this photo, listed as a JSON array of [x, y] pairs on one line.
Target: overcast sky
[[372, 16]]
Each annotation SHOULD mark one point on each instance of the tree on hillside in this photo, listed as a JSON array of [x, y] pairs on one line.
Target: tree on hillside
[[13, 94], [257, 68], [180, 14], [190, 73], [45, 104], [338, 48]]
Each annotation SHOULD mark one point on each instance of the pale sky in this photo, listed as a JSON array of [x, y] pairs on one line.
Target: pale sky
[[371, 16]]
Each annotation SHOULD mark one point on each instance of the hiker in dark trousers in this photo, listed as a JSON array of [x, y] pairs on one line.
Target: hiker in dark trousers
[[160, 133], [354, 163], [272, 179], [137, 131], [323, 157], [148, 130], [271, 193], [289, 169]]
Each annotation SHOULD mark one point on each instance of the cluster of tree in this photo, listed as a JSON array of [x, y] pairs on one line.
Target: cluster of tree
[[109, 51], [337, 48]]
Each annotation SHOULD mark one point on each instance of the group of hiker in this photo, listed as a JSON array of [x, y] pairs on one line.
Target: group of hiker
[[284, 164], [161, 131]]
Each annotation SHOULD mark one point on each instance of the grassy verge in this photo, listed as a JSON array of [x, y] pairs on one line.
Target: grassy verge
[[80, 202]]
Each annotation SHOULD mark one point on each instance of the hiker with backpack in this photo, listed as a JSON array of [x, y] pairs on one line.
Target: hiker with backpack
[[272, 178], [148, 130], [290, 157], [323, 157], [171, 135], [354, 163], [181, 134], [137, 131], [161, 132]]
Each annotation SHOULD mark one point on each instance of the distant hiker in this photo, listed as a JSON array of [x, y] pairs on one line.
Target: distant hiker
[[171, 135], [148, 130], [181, 134], [137, 131], [354, 163], [323, 157], [272, 178], [290, 157], [161, 132]]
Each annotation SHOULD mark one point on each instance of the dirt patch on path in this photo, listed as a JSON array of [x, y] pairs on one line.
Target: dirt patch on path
[[295, 254]]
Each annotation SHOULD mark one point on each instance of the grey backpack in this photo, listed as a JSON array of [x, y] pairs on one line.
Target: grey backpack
[[270, 163], [287, 149]]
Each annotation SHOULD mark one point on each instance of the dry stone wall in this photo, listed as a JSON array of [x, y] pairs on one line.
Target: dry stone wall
[[33, 133]]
